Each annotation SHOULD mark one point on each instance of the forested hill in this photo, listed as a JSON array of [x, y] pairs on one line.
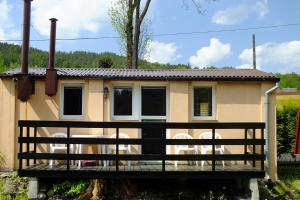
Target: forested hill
[[10, 56]]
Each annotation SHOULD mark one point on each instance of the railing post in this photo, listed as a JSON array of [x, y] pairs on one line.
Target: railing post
[[262, 151], [27, 143], [213, 150], [245, 147], [163, 147], [117, 150], [21, 148], [34, 144], [254, 151], [68, 149]]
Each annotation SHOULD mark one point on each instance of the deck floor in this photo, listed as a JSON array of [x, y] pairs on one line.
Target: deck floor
[[143, 170], [143, 167]]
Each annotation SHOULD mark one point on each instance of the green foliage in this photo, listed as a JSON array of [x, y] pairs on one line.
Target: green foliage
[[291, 80], [288, 173], [106, 63], [10, 57], [68, 189], [287, 187], [286, 129], [16, 183], [287, 100]]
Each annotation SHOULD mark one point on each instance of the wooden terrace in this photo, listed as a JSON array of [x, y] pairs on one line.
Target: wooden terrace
[[160, 165]]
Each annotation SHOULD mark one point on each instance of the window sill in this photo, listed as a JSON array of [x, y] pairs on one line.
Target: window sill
[[204, 118], [72, 117], [125, 118]]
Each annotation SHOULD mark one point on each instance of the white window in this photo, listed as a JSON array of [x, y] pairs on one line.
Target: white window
[[204, 103], [72, 101]]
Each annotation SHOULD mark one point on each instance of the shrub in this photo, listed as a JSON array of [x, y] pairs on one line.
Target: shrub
[[106, 62], [68, 189], [13, 187], [286, 129]]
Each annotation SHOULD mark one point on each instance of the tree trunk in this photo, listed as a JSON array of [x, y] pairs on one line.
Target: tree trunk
[[129, 33], [137, 31], [94, 191]]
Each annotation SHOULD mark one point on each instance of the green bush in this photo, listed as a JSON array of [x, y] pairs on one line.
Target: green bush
[[68, 189], [286, 129]]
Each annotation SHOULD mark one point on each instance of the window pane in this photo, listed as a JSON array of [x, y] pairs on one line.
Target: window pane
[[153, 101], [203, 101], [72, 100], [122, 101]]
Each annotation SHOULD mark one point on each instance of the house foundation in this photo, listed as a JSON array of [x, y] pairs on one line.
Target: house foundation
[[33, 188]]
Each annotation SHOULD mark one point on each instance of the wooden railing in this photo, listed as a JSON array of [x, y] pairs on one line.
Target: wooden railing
[[27, 139]]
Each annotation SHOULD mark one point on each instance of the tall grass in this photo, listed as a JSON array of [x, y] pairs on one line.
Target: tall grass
[[287, 100]]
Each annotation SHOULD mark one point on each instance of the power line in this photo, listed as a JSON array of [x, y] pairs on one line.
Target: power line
[[165, 34]]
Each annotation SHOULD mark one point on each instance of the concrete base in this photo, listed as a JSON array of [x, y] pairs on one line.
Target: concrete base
[[254, 189], [33, 188], [251, 186]]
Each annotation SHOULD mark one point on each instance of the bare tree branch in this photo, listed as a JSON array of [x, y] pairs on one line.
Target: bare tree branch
[[144, 11]]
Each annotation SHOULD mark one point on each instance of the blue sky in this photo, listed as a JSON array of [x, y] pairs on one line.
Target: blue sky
[[278, 49]]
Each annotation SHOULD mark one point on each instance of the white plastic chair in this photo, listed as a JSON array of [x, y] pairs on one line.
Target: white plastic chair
[[179, 148], [59, 147], [122, 147], [206, 148]]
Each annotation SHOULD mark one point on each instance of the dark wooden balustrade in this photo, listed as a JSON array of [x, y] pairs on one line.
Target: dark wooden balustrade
[[162, 170]]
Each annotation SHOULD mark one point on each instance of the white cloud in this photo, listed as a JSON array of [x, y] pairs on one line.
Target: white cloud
[[7, 26], [4, 18], [4, 9], [210, 55], [74, 16], [277, 55], [262, 8], [162, 52], [241, 12]]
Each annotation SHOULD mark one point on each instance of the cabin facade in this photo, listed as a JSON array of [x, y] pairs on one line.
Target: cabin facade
[[95, 108]]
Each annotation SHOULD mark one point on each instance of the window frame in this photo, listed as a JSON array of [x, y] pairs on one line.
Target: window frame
[[165, 117], [214, 105], [62, 115], [133, 115]]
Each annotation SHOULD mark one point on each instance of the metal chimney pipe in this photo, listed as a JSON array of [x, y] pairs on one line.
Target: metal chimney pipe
[[52, 44], [51, 72], [26, 36], [25, 81]]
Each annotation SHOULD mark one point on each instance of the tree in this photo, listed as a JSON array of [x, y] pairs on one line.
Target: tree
[[2, 68], [128, 19], [105, 62]]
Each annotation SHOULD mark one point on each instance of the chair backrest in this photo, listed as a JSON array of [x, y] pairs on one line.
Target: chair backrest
[[208, 135], [182, 136], [58, 135], [121, 135]]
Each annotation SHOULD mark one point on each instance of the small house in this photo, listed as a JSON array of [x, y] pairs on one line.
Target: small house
[[166, 117], [136, 123]]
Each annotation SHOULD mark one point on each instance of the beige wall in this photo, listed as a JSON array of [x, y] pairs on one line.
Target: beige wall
[[235, 102], [7, 122]]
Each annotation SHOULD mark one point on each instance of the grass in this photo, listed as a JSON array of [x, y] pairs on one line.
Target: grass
[[287, 100], [287, 187]]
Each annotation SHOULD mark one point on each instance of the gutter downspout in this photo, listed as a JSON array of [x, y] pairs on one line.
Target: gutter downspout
[[267, 93]]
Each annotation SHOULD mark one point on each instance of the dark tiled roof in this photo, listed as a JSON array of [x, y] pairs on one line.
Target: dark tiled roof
[[149, 74]]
